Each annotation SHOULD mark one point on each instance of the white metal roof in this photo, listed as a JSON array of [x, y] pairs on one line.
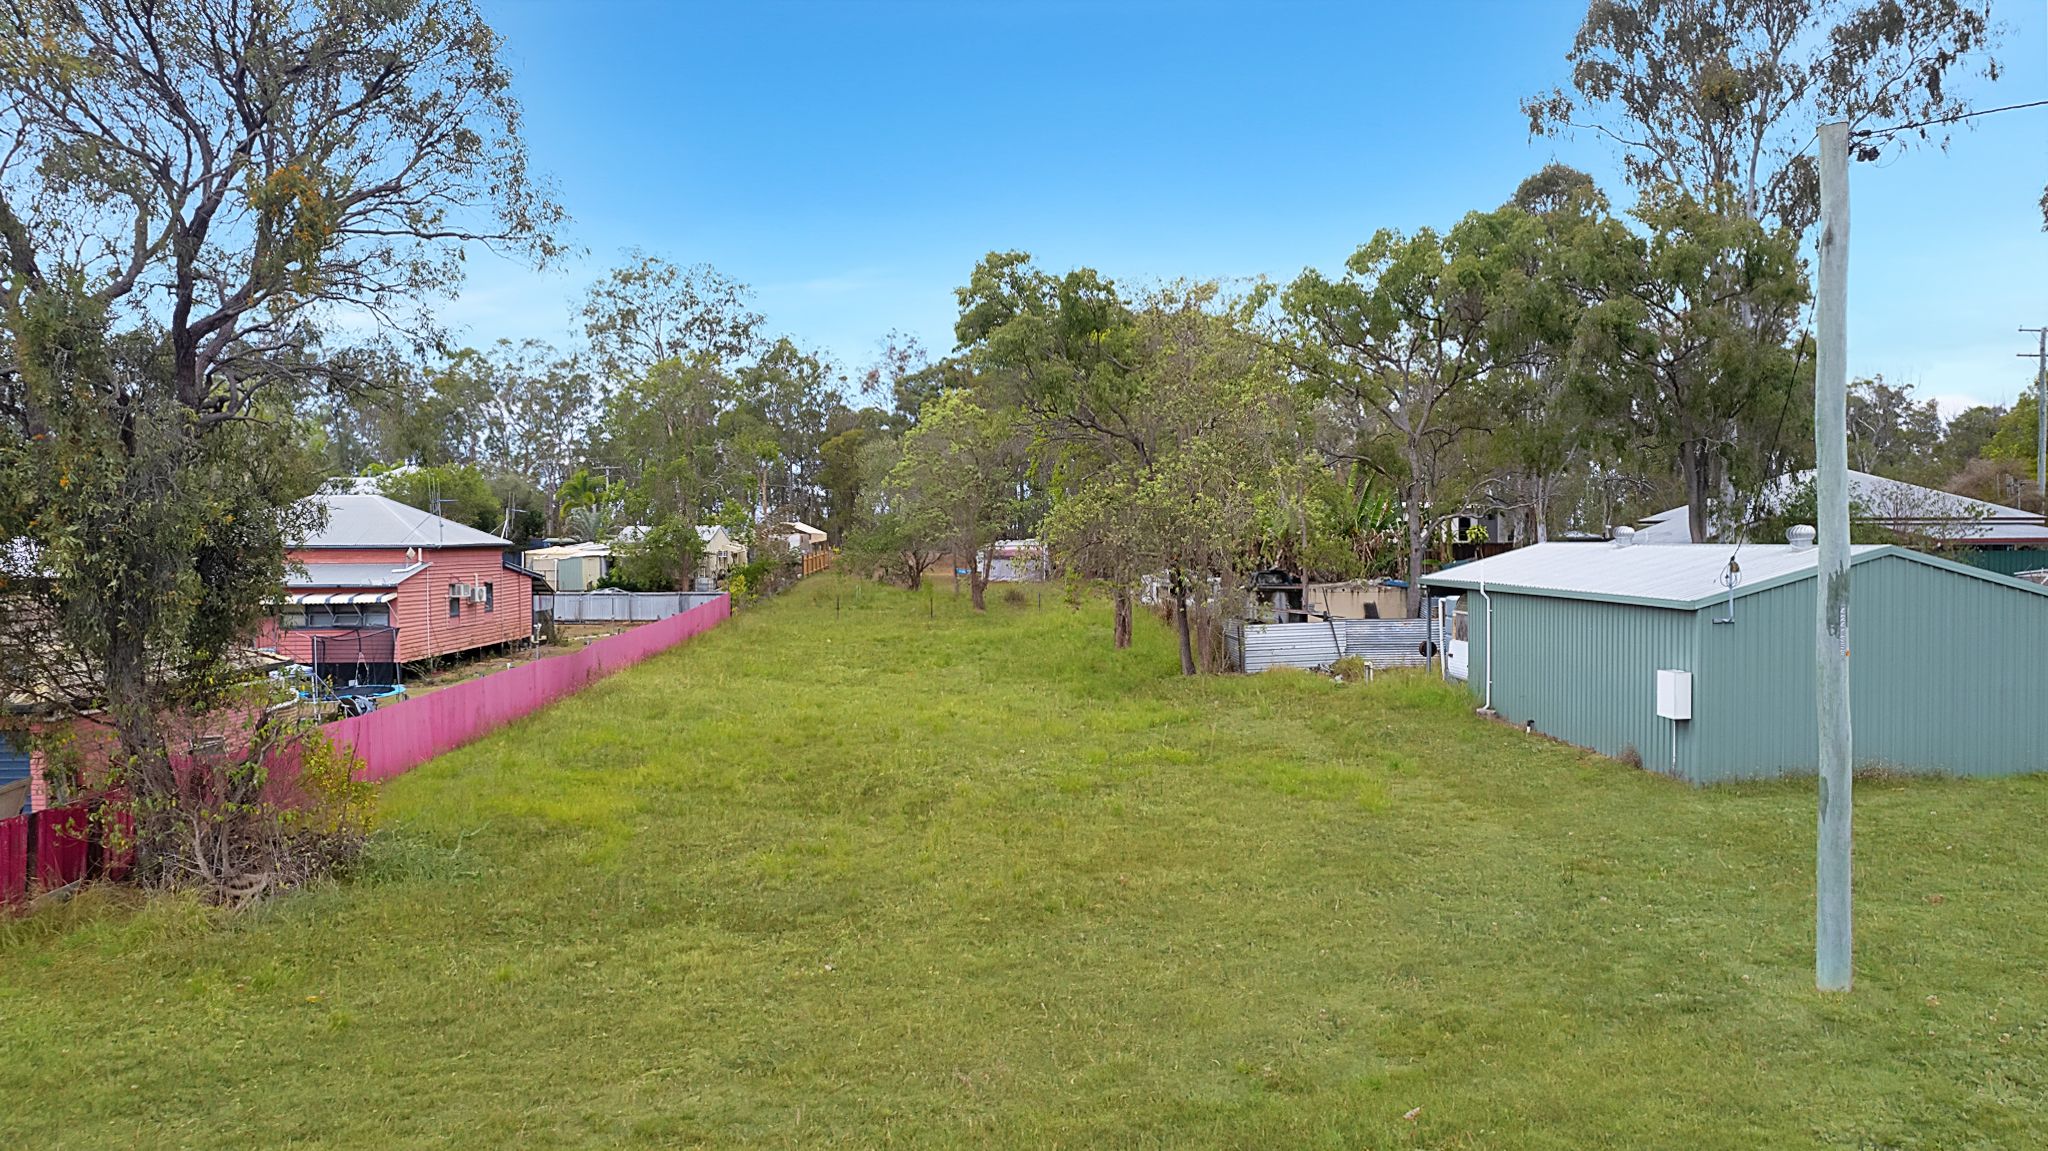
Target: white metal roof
[[351, 575], [1687, 575], [715, 537], [565, 551], [363, 520], [1894, 503]]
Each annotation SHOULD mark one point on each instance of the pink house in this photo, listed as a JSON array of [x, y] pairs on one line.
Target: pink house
[[384, 584]]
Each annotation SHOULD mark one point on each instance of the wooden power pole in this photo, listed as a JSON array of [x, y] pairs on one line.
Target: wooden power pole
[[2040, 415], [1832, 926]]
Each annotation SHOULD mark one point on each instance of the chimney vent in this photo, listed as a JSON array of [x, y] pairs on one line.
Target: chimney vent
[[1800, 536], [1624, 537]]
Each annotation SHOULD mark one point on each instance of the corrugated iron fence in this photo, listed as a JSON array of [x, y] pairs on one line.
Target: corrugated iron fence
[[621, 606], [1255, 647]]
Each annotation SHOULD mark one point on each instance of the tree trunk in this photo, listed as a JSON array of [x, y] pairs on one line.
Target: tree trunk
[[978, 570], [1692, 464], [913, 574], [1123, 618], [1184, 626], [1416, 543], [141, 769]]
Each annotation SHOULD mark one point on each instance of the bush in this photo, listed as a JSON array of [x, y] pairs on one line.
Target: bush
[[1351, 669], [1015, 597]]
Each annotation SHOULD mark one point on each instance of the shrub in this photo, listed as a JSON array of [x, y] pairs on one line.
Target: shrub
[[1015, 597], [1351, 669]]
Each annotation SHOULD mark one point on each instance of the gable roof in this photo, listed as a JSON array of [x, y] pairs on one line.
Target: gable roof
[[1682, 576], [367, 520], [1894, 503]]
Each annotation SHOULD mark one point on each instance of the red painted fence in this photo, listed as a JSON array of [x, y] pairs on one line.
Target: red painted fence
[[13, 859], [400, 737]]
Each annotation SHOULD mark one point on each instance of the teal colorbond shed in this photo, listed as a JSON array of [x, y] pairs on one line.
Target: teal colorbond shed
[[1946, 660]]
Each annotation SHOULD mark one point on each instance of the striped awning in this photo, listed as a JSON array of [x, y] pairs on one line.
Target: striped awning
[[331, 598]]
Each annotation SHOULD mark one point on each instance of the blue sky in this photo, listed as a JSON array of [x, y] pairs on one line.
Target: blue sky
[[851, 161]]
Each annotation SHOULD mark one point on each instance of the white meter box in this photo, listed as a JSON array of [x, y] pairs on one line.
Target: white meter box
[[1674, 694]]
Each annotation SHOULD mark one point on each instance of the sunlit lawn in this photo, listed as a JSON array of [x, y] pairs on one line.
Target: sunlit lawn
[[863, 869]]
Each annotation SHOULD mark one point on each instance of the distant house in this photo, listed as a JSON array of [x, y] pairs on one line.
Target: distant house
[[384, 584], [722, 553], [1014, 561], [803, 538], [1983, 534], [571, 567]]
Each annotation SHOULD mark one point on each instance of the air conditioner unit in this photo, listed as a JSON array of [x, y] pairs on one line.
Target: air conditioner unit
[[478, 593]]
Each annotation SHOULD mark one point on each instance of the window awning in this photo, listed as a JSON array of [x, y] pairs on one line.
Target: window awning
[[333, 598]]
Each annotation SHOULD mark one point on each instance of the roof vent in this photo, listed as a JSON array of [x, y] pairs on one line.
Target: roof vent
[[1624, 536], [1800, 536]]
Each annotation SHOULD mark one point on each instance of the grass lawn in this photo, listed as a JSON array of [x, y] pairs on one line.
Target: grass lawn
[[869, 876]]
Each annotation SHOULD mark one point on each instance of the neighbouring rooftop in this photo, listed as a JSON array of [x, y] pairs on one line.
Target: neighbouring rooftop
[[362, 520], [1895, 504], [1678, 576]]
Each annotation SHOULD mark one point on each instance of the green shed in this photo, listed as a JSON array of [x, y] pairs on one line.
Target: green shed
[[1657, 652]]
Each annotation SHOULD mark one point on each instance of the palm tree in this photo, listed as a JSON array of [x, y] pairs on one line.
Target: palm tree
[[589, 522]]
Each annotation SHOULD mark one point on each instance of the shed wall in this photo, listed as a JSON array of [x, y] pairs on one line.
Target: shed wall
[[1584, 671], [1945, 675]]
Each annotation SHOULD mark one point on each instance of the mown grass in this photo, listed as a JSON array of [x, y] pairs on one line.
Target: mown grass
[[865, 869]]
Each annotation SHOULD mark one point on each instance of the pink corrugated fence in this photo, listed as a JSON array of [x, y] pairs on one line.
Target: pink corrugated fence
[[404, 735]]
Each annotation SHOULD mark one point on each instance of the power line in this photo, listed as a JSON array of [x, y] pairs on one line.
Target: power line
[[1956, 117]]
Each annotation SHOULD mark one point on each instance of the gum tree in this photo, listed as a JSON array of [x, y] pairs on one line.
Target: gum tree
[[1405, 341], [192, 194]]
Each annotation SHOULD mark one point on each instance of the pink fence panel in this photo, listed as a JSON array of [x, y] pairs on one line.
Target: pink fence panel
[[398, 738], [13, 859], [63, 839]]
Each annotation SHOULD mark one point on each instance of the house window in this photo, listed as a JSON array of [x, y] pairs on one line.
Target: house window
[[336, 615], [490, 596], [454, 601]]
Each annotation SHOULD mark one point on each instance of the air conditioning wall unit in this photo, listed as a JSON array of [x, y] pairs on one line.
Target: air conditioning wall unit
[[478, 593]]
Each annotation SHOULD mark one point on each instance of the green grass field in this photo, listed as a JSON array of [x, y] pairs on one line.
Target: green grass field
[[864, 876]]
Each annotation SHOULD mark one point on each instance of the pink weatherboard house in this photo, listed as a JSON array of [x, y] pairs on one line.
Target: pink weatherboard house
[[384, 584]]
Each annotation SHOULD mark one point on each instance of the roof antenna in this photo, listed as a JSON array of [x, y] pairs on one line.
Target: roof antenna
[[1729, 579]]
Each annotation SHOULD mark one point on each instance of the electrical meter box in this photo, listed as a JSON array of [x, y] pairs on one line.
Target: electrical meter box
[[1674, 694]]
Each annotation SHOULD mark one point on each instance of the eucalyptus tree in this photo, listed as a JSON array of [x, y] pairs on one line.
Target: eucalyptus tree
[[963, 461], [648, 310], [1545, 434], [1693, 349], [1406, 341], [1160, 423], [1891, 433], [191, 195], [1726, 94]]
